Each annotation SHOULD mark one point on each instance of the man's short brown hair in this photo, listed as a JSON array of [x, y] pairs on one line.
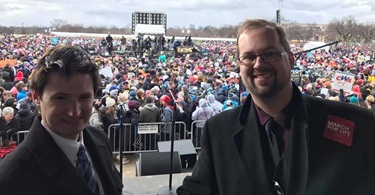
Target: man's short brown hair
[[65, 61], [259, 23]]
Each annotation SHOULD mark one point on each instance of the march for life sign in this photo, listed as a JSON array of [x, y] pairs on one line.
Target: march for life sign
[[339, 130], [343, 81]]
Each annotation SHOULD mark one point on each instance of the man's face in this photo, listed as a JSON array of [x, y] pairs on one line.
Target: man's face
[[264, 80], [66, 104]]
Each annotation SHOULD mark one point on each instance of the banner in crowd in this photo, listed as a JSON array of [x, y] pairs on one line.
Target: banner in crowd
[[11, 62], [184, 49], [343, 81]]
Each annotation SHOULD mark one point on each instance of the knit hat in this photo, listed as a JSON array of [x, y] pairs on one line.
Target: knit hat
[[353, 100], [109, 102], [132, 104], [166, 99], [154, 89], [113, 93], [132, 94], [244, 94]]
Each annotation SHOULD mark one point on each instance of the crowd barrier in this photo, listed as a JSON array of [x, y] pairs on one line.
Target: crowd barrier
[[144, 137], [18, 136], [135, 141]]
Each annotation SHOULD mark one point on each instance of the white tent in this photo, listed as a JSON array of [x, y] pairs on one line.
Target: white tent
[[314, 44]]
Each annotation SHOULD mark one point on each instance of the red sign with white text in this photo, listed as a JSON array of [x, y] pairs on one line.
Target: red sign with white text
[[339, 130]]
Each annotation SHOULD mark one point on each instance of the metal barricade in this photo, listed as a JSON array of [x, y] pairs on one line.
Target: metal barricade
[[19, 136], [136, 143], [196, 132]]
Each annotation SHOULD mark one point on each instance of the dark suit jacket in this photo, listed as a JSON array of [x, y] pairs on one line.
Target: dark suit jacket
[[235, 157], [39, 166]]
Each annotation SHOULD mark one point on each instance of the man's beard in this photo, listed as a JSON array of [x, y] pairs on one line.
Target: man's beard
[[264, 91]]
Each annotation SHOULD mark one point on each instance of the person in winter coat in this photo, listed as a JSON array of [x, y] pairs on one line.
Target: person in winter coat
[[222, 95], [202, 112], [214, 104], [9, 125], [149, 112], [167, 116], [25, 117], [96, 118], [22, 92], [132, 117], [109, 117]]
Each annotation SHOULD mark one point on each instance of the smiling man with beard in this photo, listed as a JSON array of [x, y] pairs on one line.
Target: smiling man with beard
[[279, 141], [62, 155]]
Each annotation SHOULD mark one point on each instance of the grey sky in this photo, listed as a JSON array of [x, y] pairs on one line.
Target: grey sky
[[180, 12]]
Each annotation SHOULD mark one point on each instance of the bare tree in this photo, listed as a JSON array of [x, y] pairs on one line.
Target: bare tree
[[366, 32], [302, 32], [58, 23], [345, 28]]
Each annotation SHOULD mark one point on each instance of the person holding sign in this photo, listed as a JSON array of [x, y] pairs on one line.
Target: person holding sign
[[280, 141]]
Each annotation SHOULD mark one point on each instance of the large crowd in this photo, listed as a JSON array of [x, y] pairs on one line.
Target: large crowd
[[146, 88]]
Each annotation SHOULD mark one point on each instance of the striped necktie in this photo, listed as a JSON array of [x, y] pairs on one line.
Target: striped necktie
[[85, 169]]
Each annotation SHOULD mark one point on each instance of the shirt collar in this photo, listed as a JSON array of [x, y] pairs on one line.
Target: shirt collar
[[68, 146], [283, 118]]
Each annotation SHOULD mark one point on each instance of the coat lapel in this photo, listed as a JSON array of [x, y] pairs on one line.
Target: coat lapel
[[102, 160], [53, 161], [251, 146], [293, 168], [248, 141]]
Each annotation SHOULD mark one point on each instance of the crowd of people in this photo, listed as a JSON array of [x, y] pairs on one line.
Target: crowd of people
[[202, 85], [145, 89]]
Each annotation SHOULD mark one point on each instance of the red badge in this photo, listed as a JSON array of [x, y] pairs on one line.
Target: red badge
[[339, 130]]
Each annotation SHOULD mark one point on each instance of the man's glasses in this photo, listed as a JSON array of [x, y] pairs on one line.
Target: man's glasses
[[249, 60]]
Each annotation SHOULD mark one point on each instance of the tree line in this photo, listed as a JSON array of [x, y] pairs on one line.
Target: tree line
[[346, 29]]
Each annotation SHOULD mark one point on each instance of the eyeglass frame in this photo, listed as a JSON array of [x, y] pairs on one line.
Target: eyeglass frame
[[262, 57]]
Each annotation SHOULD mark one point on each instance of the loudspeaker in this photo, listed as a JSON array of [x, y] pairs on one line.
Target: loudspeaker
[[185, 148], [157, 163]]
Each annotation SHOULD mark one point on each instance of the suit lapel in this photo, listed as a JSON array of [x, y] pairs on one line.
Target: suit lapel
[[295, 157], [53, 161], [298, 172], [102, 161], [248, 142]]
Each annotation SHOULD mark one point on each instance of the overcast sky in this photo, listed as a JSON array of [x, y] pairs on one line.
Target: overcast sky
[[180, 12]]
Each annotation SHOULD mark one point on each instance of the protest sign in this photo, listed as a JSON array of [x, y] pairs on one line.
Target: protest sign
[[343, 81], [107, 72]]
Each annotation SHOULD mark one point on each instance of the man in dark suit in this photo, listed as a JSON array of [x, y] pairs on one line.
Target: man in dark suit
[[61, 154], [280, 141]]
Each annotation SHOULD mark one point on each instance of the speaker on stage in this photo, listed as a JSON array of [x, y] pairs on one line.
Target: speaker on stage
[[157, 163], [185, 148]]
